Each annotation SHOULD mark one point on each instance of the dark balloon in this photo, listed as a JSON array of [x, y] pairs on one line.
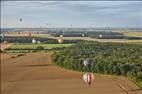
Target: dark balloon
[[21, 19], [88, 63]]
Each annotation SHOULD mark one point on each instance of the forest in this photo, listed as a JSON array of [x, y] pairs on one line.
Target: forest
[[27, 39], [108, 58]]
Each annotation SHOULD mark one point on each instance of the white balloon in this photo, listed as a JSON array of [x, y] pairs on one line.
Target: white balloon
[[85, 77], [88, 78], [100, 35], [86, 62], [33, 41]]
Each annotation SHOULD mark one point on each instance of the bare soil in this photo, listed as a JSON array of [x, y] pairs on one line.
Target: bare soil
[[34, 73], [5, 45]]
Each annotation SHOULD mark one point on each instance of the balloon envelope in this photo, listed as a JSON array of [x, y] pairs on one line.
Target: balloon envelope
[[21, 19], [88, 64], [33, 41], [88, 78]]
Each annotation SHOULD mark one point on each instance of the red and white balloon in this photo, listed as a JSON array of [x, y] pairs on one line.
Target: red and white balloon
[[88, 78]]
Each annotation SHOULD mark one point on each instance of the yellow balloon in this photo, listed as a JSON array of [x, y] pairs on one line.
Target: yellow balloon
[[60, 40]]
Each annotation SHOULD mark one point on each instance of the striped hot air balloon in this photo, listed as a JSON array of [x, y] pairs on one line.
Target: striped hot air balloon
[[88, 78]]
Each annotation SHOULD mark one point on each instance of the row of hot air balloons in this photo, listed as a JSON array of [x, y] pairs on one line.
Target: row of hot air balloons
[[88, 77]]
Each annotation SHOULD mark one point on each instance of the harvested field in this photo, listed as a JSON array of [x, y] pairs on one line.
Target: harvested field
[[34, 73], [4, 45]]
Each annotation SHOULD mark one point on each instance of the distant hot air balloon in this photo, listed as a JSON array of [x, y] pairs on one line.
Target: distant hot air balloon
[[100, 35], [33, 41], [88, 78], [86, 62], [38, 42], [20, 19], [2, 35], [60, 40], [83, 35]]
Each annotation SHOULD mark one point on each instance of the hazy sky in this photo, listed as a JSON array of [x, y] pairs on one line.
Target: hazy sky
[[77, 13]]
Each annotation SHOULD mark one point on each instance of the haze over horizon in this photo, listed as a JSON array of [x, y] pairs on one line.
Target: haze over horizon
[[71, 14]]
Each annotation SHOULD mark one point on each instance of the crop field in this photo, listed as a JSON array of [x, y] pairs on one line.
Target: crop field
[[75, 47], [40, 73], [4, 46], [34, 35], [30, 46], [133, 34], [35, 73]]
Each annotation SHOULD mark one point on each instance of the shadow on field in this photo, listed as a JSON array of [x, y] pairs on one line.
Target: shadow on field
[[39, 65]]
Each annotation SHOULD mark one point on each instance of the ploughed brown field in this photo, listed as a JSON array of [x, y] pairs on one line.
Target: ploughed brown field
[[34, 73]]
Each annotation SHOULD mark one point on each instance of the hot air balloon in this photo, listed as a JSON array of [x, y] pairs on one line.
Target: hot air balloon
[[88, 78], [88, 63], [38, 42], [33, 41], [60, 40], [20, 19], [2, 35], [100, 35], [83, 35]]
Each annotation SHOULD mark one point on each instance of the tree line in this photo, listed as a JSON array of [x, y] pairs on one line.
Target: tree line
[[27, 39], [108, 58]]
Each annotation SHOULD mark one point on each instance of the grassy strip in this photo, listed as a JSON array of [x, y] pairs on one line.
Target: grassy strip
[[132, 34], [34, 46], [137, 82]]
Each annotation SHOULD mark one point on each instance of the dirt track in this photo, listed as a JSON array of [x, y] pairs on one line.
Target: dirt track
[[34, 73]]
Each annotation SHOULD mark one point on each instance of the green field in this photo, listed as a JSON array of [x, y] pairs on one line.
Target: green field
[[139, 83], [29, 46], [133, 34]]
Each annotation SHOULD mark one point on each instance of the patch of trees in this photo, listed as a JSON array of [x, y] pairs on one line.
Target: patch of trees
[[26, 39], [133, 38], [94, 34], [108, 58]]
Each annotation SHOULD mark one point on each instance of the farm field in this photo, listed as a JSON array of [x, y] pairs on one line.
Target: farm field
[[4, 46], [75, 47], [34, 73], [134, 41], [107, 58], [26, 46], [133, 34], [27, 34]]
